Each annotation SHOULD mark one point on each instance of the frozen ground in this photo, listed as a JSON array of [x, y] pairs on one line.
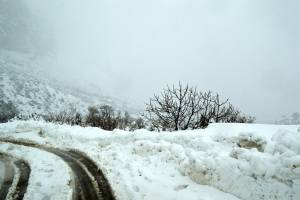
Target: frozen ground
[[224, 161]]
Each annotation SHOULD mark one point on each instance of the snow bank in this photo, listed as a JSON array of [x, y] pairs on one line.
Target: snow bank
[[224, 161]]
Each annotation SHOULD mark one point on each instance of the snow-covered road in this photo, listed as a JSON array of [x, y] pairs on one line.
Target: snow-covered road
[[49, 177], [6, 178], [88, 180], [14, 180]]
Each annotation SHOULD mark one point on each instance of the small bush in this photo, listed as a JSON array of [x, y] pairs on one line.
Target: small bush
[[105, 117], [7, 111], [137, 124], [102, 116], [64, 117], [69, 116]]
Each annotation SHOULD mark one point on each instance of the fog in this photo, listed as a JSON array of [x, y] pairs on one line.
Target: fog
[[248, 51]]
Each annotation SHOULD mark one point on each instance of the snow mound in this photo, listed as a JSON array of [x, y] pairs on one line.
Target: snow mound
[[224, 161]]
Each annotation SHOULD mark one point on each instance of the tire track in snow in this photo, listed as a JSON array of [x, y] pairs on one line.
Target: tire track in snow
[[90, 182], [22, 180], [8, 176], [22, 184]]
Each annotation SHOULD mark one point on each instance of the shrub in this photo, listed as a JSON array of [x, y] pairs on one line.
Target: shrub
[[7, 111], [137, 124], [102, 116], [69, 116]]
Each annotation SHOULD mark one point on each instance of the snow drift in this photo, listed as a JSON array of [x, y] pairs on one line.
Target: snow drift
[[224, 161]]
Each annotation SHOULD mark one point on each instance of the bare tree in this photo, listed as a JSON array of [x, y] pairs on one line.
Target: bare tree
[[234, 115], [206, 114], [220, 108], [174, 109], [184, 108]]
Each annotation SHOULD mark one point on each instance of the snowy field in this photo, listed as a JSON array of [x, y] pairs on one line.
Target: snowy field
[[222, 162]]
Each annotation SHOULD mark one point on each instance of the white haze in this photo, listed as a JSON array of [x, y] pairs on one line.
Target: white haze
[[246, 50]]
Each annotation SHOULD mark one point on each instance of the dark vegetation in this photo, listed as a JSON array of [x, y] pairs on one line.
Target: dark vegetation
[[184, 107], [7, 111], [102, 116], [176, 108], [293, 119], [70, 116]]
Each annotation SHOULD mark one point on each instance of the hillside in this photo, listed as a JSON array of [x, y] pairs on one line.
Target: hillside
[[24, 82]]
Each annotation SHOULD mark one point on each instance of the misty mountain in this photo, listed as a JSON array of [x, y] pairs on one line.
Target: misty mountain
[[26, 60], [24, 82], [20, 30]]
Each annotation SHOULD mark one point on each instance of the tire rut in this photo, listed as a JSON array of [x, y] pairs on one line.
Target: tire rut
[[22, 181], [22, 184], [8, 178], [90, 182]]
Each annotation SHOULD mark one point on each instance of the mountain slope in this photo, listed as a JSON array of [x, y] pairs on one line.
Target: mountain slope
[[23, 82]]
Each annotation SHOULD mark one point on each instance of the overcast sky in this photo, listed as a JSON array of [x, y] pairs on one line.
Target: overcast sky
[[248, 51]]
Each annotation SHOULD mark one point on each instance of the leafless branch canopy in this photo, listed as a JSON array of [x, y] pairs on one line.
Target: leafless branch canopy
[[183, 107]]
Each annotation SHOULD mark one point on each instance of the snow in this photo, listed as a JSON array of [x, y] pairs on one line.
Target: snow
[[2, 172], [50, 176], [224, 161], [28, 92], [25, 82]]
